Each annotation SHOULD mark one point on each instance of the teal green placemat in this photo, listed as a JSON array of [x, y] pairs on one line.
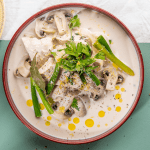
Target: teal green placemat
[[134, 134]]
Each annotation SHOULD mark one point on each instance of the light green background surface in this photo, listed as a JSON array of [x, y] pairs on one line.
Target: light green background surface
[[134, 134]]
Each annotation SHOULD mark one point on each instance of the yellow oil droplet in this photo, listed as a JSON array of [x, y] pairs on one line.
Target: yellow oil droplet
[[118, 108], [117, 87], [111, 120], [120, 100], [69, 119], [122, 89], [42, 107], [62, 109], [109, 108], [29, 103], [59, 124], [76, 120], [101, 113], [71, 127], [106, 124], [107, 34], [47, 123], [89, 123], [26, 87], [118, 96], [104, 31], [98, 125], [49, 118]]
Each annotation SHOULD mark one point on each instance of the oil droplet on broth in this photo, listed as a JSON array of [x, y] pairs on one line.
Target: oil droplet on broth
[[42, 107], [89, 123], [106, 124], [117, 87], [122, 89], [98, 125], [47, 123], [109, 108], [120, 100], [101, 113], [49, 118], [29, 103], [118, 108], [71, 127], [26, 87], [59, 124], [76, 120], [118, 96]]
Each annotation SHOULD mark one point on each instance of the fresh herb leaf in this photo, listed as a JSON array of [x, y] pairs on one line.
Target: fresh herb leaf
[[85, 50], [74, 22], [75, 104], [82, 78], [90, 68], [93, 77], [36, 75], [70, 80], [100, 55], [76, 33], [110, 41], [54, 54]]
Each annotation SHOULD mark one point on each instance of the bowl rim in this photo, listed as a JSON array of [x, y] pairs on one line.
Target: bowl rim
[[8, 93]]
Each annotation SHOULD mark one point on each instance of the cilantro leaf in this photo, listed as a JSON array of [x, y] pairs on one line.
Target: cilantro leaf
[[100, 55], [54, 54], [36, 75], [75, 104], [74, 22]]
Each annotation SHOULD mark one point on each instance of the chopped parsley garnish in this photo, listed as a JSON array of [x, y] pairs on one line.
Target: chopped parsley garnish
[[75, 104]]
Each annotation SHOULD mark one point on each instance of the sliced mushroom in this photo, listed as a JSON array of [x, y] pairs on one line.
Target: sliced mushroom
[[61, 23], [62, 108], [50, 18], [42, 28], [82, 110], [111, 75], [121, 77], [69, 112], [23, 69], [55, 106]]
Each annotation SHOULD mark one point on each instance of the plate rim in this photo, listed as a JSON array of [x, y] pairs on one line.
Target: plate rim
[[8, 94]]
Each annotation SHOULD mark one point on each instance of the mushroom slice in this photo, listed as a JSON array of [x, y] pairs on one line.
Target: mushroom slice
[[42, 28], [111, 75], [50, 18], [82, 110], [61, 23], [23, 69], [63, 110], [121, 77]]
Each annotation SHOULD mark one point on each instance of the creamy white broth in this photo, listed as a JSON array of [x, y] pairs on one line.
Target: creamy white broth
[[88, 21]]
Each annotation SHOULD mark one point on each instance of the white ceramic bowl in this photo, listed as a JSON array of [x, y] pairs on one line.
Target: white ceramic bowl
[[124, 46]]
